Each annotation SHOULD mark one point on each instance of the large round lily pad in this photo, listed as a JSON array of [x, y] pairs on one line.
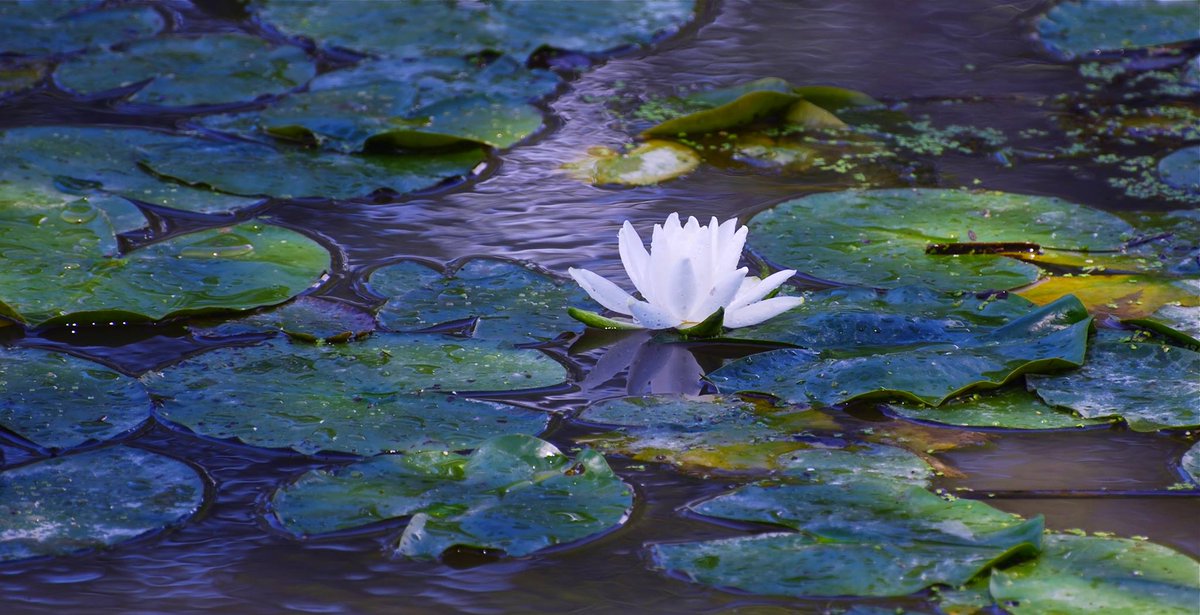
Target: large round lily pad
[[191, 70], [1009, 408], [254, 169], [512, 27], [512, 301], [1079, 575], [879, 238], [40, 27], [1181, 169], [1149, 384], [83, 161], [54, 267], [306, 319], [91, 500], [386, 393], [1051, 338], [515, 493], [1082, 27], [59, 401]]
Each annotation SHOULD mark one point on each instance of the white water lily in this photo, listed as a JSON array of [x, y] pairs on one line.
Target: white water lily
[[690, 272]]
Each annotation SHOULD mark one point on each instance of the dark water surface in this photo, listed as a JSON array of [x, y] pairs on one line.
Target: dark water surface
[[523, 206]]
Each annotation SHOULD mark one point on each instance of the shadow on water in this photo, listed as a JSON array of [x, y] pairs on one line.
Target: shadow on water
[[525, 207]]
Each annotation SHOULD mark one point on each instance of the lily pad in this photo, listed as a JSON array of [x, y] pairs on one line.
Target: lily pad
[[511, 27], [92, 500], [58, 401], [306, 319], [407, 103], [19, 75], [1181, 169], [1121, 296], [388, 392], [96, 161], [191, 70], [856, 462], [1191, 463], [38, 27], [512, 302], [1181, 323], [253, 169], [1051, 338], [515, 493], [55, 267], [1088, 574], [650, 163], [1010, 408], [1083, 27], [1150, 385], [747, 108], [704, 432], [879, 237]]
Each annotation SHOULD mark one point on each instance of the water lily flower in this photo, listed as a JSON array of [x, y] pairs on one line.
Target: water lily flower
[[689, 277]]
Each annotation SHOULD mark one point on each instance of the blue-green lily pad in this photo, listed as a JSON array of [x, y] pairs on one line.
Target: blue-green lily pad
[[306, 319], [1181, 169], [1009, 408], [92, 500], [83, 161], [1178, 322], [191, 70], [1149, 384], [42, 27], [254, 169], [515, 493], [1080, 575], [55, 266], [58, 401], [1191, 463], [386, 393], [1049, 339], [512, 301], [511, 27], [856, 462], [1082, 27], [18, 75], [879, 238]]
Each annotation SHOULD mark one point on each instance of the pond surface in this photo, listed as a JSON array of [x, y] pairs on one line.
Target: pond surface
[[970, 62]]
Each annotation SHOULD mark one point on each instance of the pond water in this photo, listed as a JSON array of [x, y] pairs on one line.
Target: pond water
[[969, 62]]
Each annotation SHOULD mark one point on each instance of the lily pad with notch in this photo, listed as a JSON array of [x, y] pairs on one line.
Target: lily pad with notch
[[307, 319], [517, 494], [185, 70], [1083, 27], [93, 499], [1007, 408], [390, 392], [57, 401], [37, 27]]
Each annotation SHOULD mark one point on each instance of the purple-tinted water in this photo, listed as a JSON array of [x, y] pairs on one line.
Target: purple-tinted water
[[227, 560]]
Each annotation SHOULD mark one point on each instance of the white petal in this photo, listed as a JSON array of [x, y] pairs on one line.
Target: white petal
[[682, 292], [652, 317], [634, 256], [603, 291], [754, 314], [722, 292], [731, 250], [748, 295]]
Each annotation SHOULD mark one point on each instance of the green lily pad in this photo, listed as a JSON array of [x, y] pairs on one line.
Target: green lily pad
[[55, 266], [306, 319], [511, 27], [650, 163], [38, 27], [1150, 385], [78, 161], [856, 462], [704, 432], [58, 401], [879, 237], [1181, 169], [747, 108], [1079, 28], [1119, 296], [191, 70], [388, 392], [97, 216], [515, 493], [238, 168], [864, 537], [1087, 574], [512, 302], [92, 500], [1191, 463], [18, 75], [860, 319], [1010, 408], [407, 103], [1178, 322], [1051, 338]]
